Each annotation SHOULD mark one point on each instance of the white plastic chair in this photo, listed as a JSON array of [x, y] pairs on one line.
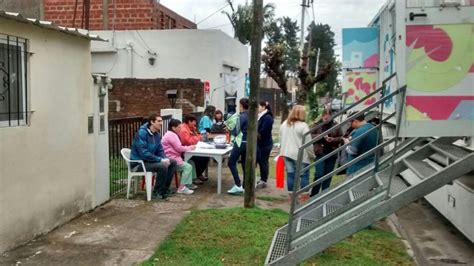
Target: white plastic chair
[[148, 175]]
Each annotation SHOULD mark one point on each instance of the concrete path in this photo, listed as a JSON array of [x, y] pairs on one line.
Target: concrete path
[[434, 240]]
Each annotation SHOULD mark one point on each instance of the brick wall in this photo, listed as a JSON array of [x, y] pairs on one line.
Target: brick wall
[[140, 97], [129, 15]]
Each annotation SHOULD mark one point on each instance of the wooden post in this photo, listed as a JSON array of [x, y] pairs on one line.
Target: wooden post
[[255, 61]]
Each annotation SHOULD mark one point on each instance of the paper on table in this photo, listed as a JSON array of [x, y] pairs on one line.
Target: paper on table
[[203, 145]]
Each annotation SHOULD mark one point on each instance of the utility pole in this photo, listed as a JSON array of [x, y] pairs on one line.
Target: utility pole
[[256, 43], [303, 11]]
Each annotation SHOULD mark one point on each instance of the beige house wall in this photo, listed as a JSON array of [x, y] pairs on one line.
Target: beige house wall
[[47, 168]]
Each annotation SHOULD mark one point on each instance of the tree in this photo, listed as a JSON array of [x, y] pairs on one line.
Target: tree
[[281, 55], [321, 36], [242, 20], [255, 61]]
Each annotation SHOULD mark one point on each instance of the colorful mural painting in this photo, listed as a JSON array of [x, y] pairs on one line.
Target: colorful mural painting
[[359, 84], [360, 48], [440, 72]]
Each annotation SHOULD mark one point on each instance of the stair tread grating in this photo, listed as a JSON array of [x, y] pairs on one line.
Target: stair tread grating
[[358, 193], [279, 247], [332, 207], [421, 168], [305, 223], [455, 151]]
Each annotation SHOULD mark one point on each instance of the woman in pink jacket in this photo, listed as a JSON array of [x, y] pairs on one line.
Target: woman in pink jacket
[[174, 150]]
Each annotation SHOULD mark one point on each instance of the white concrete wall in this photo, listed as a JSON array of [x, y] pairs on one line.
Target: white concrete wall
[[198, 54], [47, 168]]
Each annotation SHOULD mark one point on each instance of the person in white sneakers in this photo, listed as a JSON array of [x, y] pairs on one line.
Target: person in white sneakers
[[174, 149]]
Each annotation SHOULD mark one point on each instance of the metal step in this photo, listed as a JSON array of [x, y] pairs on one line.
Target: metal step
[[278, 246], [358, 193], [419, 167], [331, 207], [452, 151], [304, 223]]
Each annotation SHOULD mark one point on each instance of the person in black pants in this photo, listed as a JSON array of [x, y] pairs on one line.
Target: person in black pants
[[146, 146], [264, 141], [239, 150]]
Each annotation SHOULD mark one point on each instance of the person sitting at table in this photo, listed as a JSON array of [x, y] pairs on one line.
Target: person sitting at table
[[147, 146], [175, 150], [205, 124], [190, 136], [240, 142], [218, 126]]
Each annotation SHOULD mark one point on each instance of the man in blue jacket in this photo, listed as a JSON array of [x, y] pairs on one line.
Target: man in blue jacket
[[366, 142], [146, 146]]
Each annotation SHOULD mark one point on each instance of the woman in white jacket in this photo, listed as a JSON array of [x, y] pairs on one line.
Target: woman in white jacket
[[291, 138]]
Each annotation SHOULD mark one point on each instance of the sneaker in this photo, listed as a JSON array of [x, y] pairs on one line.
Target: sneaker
[[185, 190], [235, 189], [203, 178], [197, 182], [192, 186], [261, 184], [159, 197], [170, 193]]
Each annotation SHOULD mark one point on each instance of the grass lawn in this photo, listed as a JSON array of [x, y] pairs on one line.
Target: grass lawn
[[242, 236]]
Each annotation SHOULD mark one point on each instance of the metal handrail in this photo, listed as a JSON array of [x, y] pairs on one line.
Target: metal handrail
[[302, 148], [344, 110], [322, 179]]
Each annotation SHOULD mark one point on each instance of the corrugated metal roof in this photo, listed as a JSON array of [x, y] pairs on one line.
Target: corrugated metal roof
[[49, 25]]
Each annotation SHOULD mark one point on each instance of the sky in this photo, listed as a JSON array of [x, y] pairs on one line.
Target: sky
[[337, 13]]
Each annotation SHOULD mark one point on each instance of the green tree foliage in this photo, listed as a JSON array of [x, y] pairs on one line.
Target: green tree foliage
[[321, 36], [281, 56], [241, 19]]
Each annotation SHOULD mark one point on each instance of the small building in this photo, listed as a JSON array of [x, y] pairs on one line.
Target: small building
[[206, 55], [53, 131]]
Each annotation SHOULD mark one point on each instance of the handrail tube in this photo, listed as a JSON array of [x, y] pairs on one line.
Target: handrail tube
[[383, 99], [334, 152], [350, 163], [323, 196], [344, 110]]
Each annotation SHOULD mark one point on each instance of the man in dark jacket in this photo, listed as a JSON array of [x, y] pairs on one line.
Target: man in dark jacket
[[264, 141], [322, 148], [146, 146]]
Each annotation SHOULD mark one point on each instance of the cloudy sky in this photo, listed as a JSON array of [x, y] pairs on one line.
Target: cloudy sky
[[337, 13]]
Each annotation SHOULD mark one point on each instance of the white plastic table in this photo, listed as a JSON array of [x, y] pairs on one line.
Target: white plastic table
[[216, 154]]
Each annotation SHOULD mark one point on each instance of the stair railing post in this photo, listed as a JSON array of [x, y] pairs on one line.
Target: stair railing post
[[294, 198], [399, 111], [380, 136]]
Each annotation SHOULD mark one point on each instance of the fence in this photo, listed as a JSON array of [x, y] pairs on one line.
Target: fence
[[121, 133]]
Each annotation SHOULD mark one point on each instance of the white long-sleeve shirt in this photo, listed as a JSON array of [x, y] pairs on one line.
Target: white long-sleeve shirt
[[291, 138]]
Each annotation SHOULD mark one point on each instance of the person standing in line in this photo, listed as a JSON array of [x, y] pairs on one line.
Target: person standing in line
[[322, 148], [147, 146], [292, 133], [189, 136], [264, 141], [174, 149], [361, 145], [205, 124], [239, 149]]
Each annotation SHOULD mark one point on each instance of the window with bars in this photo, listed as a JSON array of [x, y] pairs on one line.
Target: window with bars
[[13, 81]]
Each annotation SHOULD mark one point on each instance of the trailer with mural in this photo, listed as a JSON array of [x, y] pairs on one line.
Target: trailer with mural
[[429, 46]]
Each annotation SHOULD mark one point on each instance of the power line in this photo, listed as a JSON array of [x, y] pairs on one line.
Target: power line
[[215, 12]]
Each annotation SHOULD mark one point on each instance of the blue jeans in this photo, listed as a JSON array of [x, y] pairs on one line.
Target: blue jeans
[[235, 154], [263, 153], [290, 167], [323, 168]]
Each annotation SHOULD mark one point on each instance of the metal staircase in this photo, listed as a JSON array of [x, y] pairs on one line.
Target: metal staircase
[[371, 194]]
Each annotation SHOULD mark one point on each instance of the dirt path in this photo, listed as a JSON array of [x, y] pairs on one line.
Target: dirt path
[[123, 232]]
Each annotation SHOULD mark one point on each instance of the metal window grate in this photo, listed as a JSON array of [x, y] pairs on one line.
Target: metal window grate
[[13, 81]]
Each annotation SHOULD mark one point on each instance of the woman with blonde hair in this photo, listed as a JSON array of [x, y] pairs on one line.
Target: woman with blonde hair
[[292, 132]]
